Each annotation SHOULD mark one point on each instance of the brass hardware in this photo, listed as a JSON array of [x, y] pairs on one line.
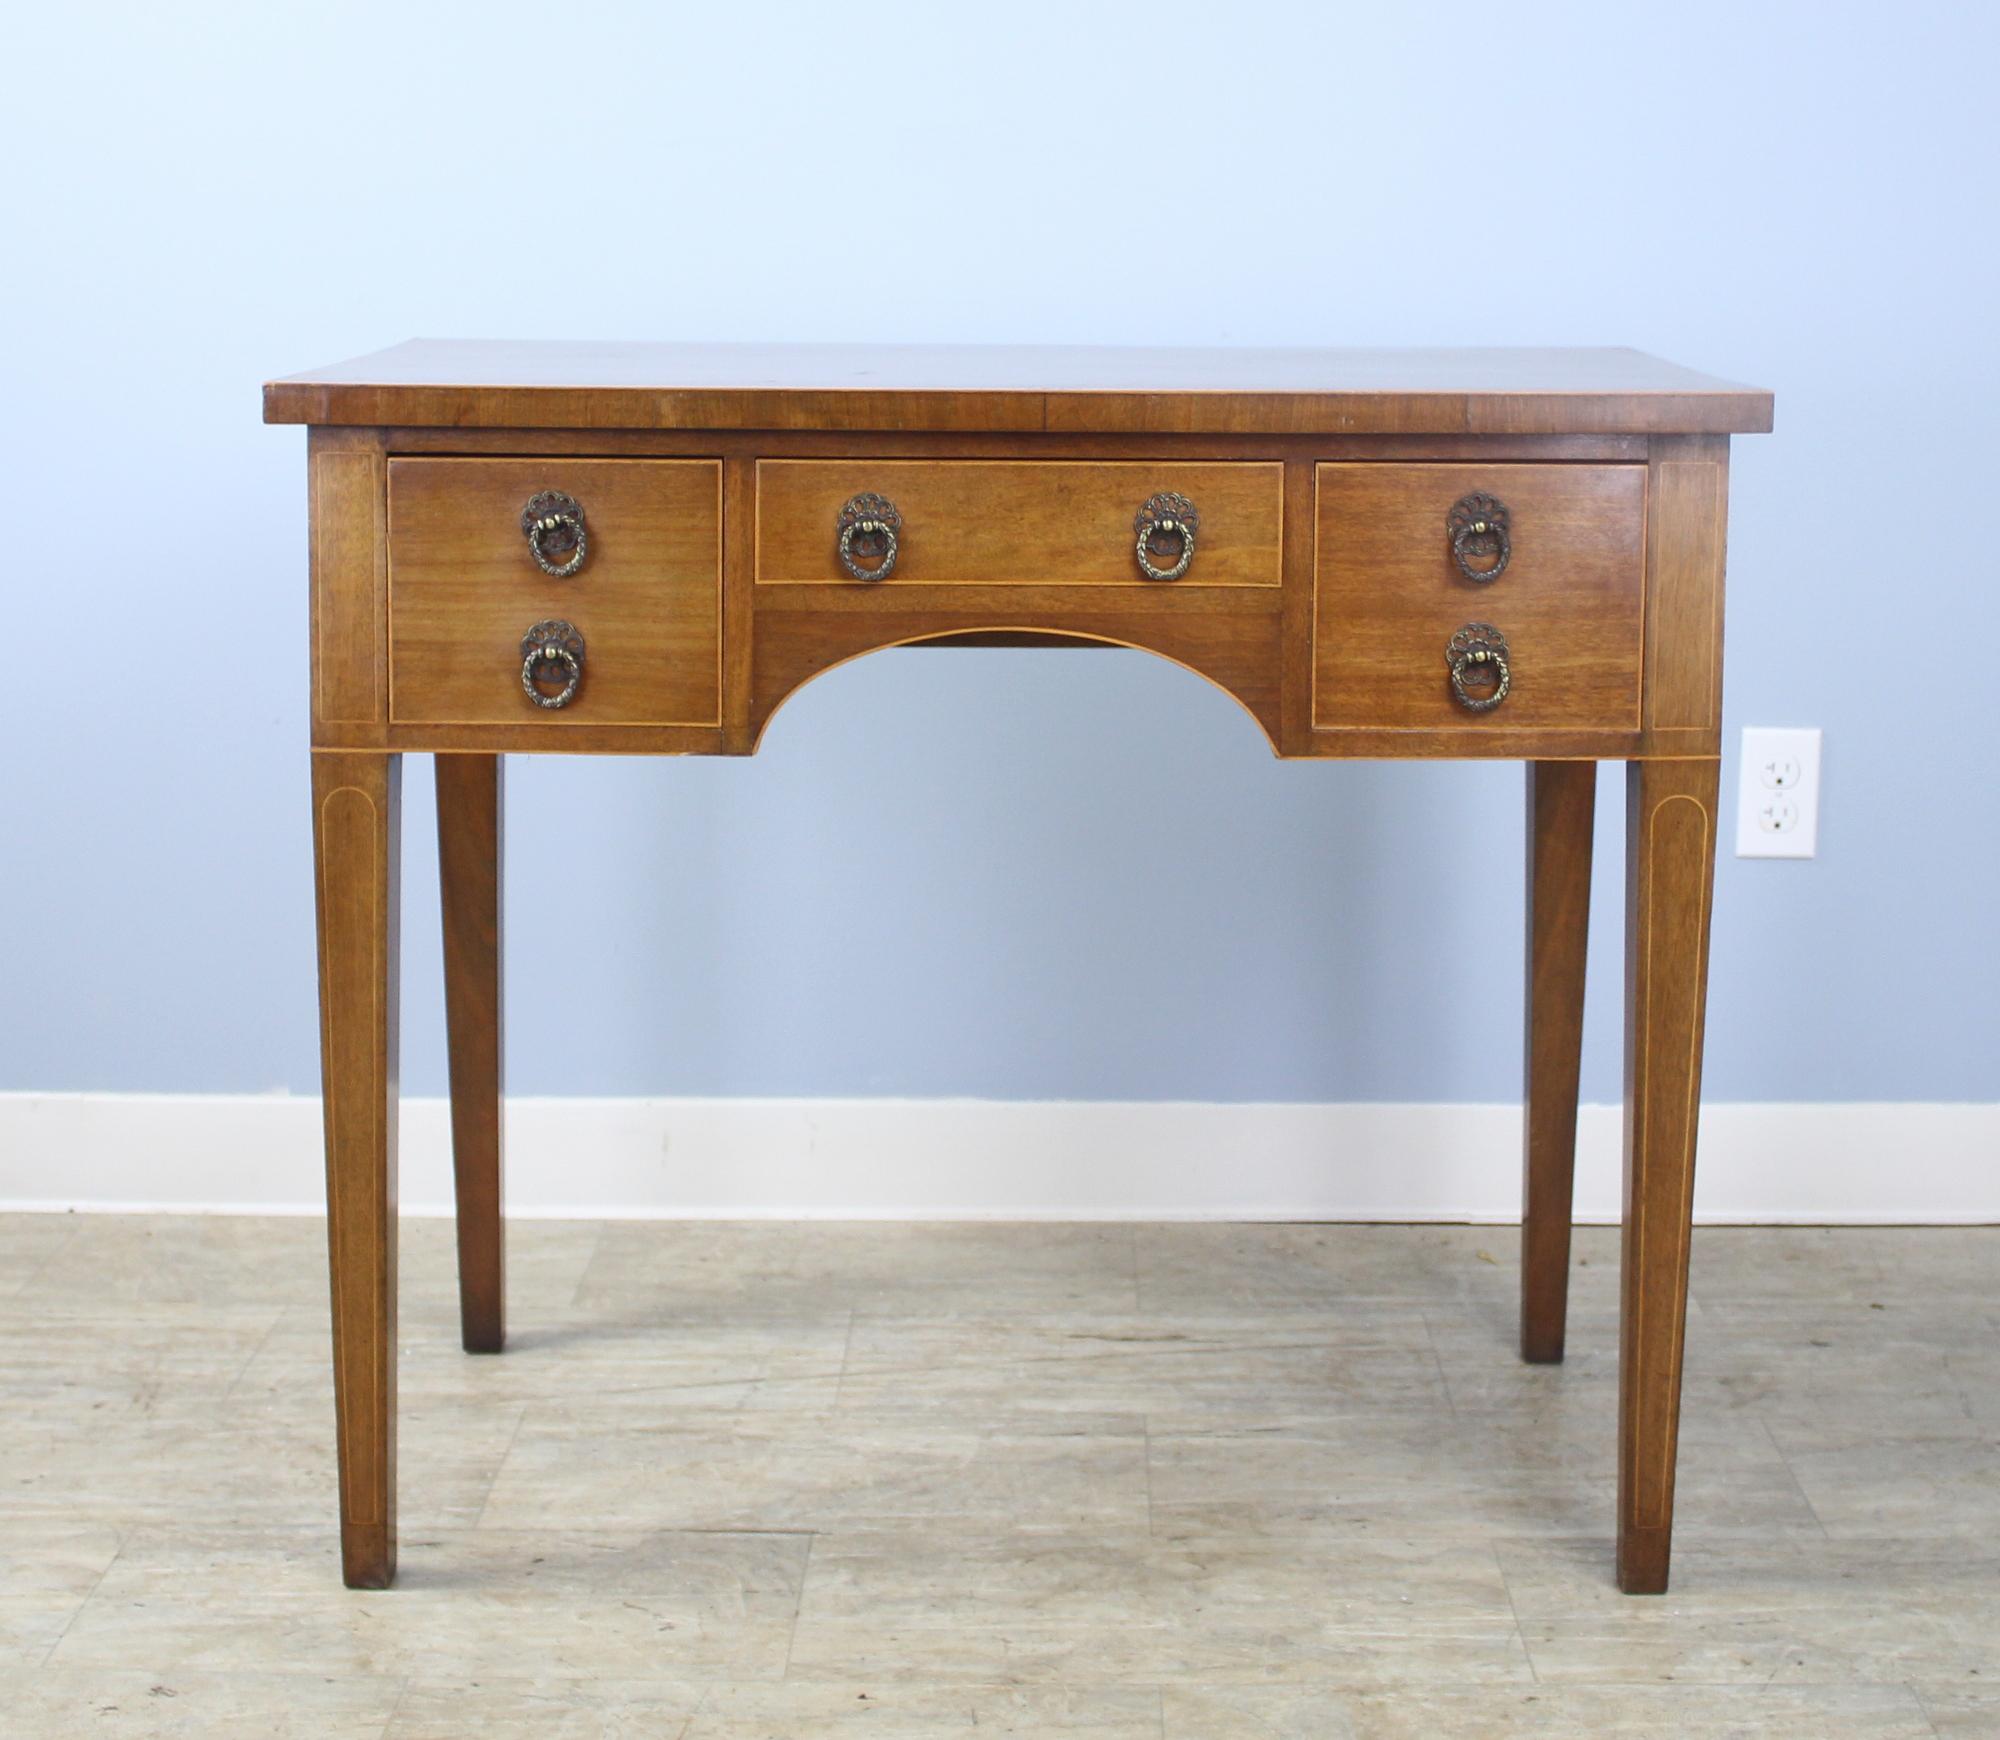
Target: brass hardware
[[553, 525], [1477, 526], [1165, 527], [1481, 649], [551, 651], [869, 526]]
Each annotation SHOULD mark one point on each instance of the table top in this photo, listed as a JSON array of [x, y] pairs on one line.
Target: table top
[[535, 384]]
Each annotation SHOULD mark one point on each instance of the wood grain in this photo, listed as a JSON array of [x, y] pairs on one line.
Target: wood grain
[[995, 522], [739, 625], [349, 587], [464, 588], [1295, 649], [357, 846], [469, 820], [995, 444], [1670, 810], [1388, 596], [1687, 498], [1100, 389], [1562, 803], [1359, 744], [803, 631]]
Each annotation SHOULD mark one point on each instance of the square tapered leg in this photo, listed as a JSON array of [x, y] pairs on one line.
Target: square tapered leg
[[469, 828], [1562, 804], [356, 823], [1669, 871]]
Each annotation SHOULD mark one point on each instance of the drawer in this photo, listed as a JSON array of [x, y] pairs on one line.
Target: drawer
[[465, 587], [1017, 522], [1390, 595]]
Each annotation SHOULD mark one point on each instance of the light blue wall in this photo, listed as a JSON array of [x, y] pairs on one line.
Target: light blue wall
[[1009, 874]]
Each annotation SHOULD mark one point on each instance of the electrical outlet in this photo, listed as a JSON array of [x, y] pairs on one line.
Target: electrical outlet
[[1777, 797]]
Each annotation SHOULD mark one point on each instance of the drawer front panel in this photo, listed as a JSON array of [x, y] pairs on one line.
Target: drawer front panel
[[1025, 522], [1389, 595], [464, 587]]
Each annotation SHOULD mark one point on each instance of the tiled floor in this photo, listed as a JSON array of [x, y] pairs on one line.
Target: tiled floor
[[1174, 1482]]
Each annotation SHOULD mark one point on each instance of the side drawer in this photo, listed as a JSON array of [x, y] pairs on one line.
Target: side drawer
[[1019, 522], [465, 587], [1389, 595]]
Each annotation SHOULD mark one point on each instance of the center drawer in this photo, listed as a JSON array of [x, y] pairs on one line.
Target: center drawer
[[1018, 522], [472, 570]]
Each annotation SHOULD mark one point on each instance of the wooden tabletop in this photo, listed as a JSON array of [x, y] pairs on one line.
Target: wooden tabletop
[[534, 384]]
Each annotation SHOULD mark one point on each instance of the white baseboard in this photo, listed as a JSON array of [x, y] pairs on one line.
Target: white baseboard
[[858, 1159]]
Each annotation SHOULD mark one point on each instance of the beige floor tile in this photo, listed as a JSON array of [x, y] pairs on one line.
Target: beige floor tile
[[1545, 1713], [1122, 1608], [127, 1704], [1934, 1264], [211, 1261], [1959, 1713], [1165, 1365], [121, 1415], [468, 1603], [1792, 1611], [546, 1263], [832, 1267], [1813, 1263], [82, 1360], [1973, 1364], [556, 1710], [491, 1708], [733, 1483], [1807, 1364], [1477, 1346], [1486, 1475], [1779, 1360], [651, 1464], [1206, 1266], [1876, 1473], [198, 1456], [572, 1355], [204, 1260], [27, 1242], [48, 1567]]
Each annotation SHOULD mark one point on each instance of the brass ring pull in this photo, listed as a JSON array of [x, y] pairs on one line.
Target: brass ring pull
[[1477, 526], [1166, 516], [869, 525], [553, 525], [1479, 650], [550, 652]]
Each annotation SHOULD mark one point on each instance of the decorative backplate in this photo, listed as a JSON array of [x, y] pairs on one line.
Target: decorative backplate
[[552, 522], [1477, 526], [551, 651], [1164, 531], [869, 529], [553, 633], [1479, 651]]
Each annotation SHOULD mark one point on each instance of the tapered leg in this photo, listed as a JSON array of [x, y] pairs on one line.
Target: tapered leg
[[469, 817], [1562, 801], [356, 824], [1669, 870]]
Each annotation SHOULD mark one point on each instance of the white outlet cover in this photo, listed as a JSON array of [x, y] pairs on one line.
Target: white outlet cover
[[1777, 793]]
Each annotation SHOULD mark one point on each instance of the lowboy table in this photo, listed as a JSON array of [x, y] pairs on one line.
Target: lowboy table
[[647, 548]]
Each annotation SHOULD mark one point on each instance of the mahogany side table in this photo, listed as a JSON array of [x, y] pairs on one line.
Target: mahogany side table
[[647, 548]]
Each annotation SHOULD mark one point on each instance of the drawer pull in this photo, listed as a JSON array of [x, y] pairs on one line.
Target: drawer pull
[[1165, 527], [553, 525], [869, 526], [1479, 650], [551, 652], [1477, 526]]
